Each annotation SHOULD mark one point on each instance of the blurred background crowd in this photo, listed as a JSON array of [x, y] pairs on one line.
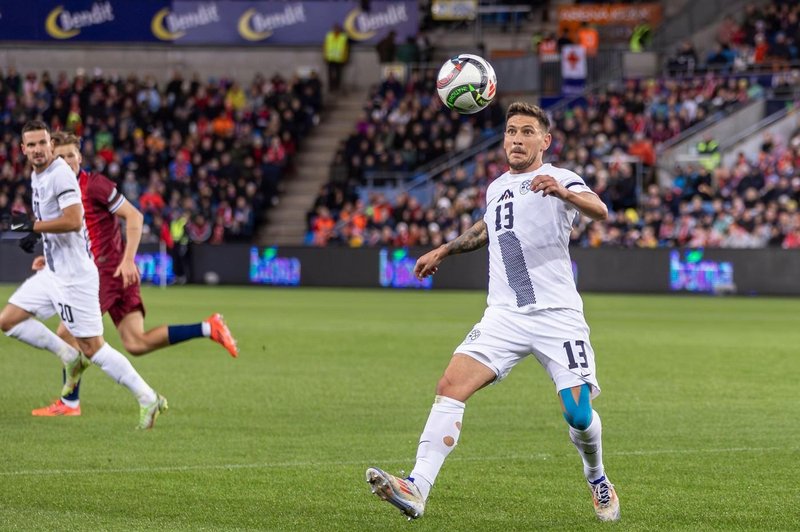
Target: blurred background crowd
[[206, 159]]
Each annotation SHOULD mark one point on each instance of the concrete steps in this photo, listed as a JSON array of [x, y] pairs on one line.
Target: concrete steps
[[286, 221]]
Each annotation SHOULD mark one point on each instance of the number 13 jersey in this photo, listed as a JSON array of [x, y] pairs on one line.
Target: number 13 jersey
[[529, 264]]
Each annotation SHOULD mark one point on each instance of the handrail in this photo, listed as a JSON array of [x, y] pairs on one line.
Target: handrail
[[442, 163], [694, 17], [700, 126], [747, 132], [454, 159]]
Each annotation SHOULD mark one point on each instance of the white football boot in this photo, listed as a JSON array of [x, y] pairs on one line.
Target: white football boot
[[604, 497], [397, 491]]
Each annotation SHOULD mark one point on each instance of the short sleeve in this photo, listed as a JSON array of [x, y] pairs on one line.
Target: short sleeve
[[65, 188], [573, 182], [104, 192]]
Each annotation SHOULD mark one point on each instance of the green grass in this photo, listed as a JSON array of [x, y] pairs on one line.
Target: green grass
[[699, 408]]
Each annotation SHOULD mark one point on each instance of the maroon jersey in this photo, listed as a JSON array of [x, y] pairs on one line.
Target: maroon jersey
[[100, 201]]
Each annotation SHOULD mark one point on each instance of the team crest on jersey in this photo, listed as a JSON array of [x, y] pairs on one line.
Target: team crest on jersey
[[473, 335], [525, 186]]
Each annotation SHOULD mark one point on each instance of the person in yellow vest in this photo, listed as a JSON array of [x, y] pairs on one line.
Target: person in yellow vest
[[336, 51], [589, 39], [641, 37], [708, 150], [180, 248]]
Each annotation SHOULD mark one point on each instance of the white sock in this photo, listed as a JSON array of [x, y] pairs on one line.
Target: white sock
[[438, 439], [206, 328], [115, 365], [36, 334], [590, 447], [70, 403]]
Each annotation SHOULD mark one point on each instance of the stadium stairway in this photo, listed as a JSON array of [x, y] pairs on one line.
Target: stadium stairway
[[286, 222]]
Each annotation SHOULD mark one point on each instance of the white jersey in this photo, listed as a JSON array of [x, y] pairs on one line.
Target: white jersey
[[529, 264], [67, 254]]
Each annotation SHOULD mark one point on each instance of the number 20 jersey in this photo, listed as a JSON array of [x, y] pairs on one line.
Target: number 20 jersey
[[529, 264]]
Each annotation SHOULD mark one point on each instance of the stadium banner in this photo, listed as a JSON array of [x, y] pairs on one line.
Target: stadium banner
[[665, 270], [195, 22], [614, 22], [115, 21]]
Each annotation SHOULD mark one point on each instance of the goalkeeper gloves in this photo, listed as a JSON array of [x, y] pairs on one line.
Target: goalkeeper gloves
[[28, 242], [21, 223]]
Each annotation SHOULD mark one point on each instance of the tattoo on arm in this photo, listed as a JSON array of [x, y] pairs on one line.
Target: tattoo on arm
[[473, 238]]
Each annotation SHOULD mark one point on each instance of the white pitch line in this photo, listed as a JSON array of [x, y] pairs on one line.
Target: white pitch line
[[699, 451], [286, 465]]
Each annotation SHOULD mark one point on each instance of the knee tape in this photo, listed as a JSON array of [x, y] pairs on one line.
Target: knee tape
[[578, 415]]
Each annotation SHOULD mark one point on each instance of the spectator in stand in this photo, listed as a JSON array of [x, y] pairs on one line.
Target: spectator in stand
[[387, 48], [164, 144], [564, 39], [684, 61], [589, 38]]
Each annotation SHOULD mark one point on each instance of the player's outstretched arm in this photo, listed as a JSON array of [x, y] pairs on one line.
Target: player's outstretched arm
[[588, 203], [473, 238], [133, 235]]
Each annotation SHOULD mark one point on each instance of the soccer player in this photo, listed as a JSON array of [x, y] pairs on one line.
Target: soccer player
[[119, 278], [533, 307], [69, 282]]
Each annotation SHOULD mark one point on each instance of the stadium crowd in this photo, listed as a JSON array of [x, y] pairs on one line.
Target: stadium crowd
[[403, 126], [765, 36], [753, 204], [201, 159]]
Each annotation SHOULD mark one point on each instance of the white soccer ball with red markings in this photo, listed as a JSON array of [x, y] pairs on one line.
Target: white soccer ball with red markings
[[466, 83]]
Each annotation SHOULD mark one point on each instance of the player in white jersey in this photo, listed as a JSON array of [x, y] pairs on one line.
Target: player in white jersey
[[69, 283], [533, 308]]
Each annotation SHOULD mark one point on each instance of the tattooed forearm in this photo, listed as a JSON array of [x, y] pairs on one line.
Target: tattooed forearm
[[473, 238]]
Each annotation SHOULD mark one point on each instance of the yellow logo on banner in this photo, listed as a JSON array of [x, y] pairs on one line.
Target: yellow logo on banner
[[63, 24], [160, 29], [361, 26], [351, 28], [247, 31], [54, 30], [169, 26]]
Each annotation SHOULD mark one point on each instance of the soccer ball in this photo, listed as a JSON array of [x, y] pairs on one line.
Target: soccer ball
[[466, 83]]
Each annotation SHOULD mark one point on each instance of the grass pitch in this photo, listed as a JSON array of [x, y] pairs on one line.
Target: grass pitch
[[699, 410]]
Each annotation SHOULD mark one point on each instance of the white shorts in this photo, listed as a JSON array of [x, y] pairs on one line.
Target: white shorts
[[77, 303], [558, 338]]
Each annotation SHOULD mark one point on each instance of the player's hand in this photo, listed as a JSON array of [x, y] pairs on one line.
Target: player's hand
[[428, 264], [28, 242], [38, 263], [548, 186], [129, 272], [21, 223]]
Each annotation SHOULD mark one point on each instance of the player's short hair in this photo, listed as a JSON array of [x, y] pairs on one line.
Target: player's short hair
[[65, 138], [527, 109], [34, 125]]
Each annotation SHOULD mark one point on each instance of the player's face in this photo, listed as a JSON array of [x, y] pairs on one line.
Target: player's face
[[525, 143], [70, 154], [38, 148]]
